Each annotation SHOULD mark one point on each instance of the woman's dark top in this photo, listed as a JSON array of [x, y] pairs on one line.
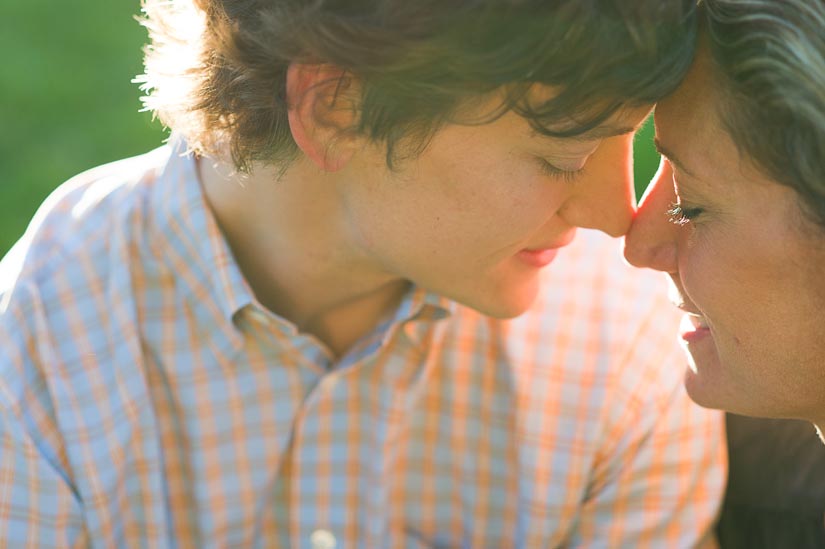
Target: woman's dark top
[[776, 489]]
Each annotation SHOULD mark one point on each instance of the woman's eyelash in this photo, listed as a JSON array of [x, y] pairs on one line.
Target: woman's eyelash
[[680, 215], [553, 171]]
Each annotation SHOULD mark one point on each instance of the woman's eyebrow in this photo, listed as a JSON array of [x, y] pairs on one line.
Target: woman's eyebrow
[[667, 153]]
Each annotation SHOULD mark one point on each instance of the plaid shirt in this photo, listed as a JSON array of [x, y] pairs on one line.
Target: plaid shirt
[[148, 400]]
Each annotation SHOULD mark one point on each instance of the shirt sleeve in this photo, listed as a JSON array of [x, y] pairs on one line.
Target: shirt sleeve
[[37, 505], [660, 474]]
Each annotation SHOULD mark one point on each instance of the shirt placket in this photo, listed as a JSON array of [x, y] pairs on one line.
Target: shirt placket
[[351, 425]]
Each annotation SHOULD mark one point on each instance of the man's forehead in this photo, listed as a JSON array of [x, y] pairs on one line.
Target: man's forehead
[[606, 131], [624, 121]]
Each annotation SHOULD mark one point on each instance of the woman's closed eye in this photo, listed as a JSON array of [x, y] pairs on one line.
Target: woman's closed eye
[[680, 214]]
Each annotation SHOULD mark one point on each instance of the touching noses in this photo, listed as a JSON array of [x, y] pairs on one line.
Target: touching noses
[[651, 241], [604, 198]]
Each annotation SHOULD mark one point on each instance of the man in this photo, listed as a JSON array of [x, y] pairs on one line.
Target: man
[[330, 323]]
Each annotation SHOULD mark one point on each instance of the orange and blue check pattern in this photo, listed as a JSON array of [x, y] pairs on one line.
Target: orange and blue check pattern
[[148, 400]]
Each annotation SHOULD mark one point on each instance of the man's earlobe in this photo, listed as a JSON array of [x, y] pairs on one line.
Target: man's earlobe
[[322, 111]]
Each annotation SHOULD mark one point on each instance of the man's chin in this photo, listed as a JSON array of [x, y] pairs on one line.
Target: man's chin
[[504, 305]]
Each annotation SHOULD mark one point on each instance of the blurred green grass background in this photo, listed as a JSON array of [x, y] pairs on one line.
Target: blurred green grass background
[[67, 102]]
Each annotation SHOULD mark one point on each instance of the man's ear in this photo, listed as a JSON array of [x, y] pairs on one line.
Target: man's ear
[[322, 111]]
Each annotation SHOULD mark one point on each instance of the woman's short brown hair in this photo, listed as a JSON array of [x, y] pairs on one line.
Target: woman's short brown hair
[[770, 65], [216, 69]]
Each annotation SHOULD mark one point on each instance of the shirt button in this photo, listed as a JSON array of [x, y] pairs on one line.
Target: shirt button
[[322, 539]]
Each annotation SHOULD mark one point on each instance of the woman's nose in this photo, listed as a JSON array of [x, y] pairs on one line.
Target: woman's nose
[[651, 240]]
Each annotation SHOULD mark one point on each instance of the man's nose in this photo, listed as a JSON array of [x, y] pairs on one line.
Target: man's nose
[[604, 198], [651, 241]]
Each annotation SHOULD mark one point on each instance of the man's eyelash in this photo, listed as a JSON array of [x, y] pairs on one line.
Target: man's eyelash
[[553, 171], [679, 215]]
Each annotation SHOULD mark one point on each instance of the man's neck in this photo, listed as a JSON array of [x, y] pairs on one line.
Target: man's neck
[[289, 239]]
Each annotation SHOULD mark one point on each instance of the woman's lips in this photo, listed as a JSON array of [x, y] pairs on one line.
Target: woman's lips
[[693, 328]]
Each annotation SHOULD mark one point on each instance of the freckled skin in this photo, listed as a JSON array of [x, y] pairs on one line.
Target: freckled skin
[[332, 249]]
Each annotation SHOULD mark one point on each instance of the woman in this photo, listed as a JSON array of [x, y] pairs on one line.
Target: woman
[[736, 217]]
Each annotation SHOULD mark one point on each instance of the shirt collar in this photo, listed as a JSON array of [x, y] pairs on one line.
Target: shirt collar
[[195, 247], [422, 305]]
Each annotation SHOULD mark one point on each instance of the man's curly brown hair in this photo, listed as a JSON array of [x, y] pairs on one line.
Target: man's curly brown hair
[[216, 69]]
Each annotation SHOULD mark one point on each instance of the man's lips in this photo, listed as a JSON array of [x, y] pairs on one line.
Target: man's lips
[[544, 254], [538, 258]]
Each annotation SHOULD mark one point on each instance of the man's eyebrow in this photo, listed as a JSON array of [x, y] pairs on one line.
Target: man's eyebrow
[[664, 151]]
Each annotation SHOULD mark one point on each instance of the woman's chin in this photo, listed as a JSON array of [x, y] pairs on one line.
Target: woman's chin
[[703, 378]]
